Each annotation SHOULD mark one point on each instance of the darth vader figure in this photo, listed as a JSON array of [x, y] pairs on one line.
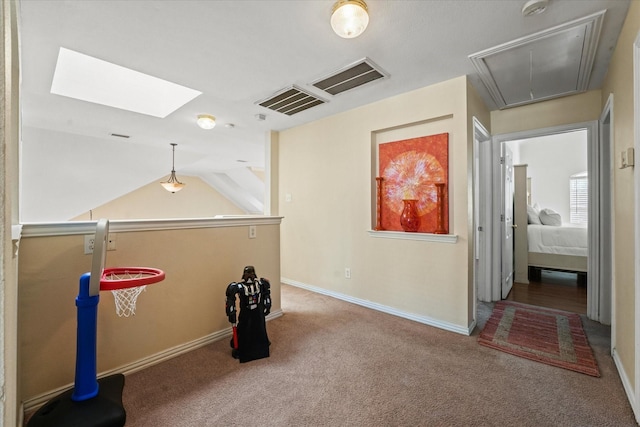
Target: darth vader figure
[[250, 341]]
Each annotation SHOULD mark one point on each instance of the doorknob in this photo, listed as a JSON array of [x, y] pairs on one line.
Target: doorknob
[[514, 225]]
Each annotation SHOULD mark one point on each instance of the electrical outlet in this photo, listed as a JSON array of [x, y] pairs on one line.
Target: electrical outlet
[[347, 273], [89, 243], [252, 231]]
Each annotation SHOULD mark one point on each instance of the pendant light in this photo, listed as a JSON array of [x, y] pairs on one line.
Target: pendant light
[[172, 184]]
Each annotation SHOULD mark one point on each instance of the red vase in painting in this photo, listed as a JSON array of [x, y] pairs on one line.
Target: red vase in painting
[[409, 219]]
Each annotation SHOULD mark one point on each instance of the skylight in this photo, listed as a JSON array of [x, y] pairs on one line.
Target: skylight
[[90, 79]]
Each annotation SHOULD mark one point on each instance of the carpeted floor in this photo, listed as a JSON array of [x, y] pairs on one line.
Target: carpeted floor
[[335, 363], [548, 336]]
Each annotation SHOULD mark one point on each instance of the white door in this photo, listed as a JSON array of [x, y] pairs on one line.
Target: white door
[[507, 220]]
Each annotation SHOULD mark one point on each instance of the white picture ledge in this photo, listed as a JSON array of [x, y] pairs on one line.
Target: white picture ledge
[[427, 237]]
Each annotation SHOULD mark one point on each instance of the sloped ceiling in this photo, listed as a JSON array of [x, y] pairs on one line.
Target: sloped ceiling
[[236, 53]]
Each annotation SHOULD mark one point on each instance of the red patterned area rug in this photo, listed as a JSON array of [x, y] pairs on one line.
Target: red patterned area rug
[[549, 336]]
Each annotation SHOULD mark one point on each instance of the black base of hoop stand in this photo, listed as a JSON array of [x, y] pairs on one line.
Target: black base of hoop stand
[[103, 410]]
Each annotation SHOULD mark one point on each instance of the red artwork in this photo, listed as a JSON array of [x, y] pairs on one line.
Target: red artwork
[[410, 169]]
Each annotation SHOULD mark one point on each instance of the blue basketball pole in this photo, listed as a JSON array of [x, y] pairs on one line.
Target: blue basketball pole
[[86, 382]]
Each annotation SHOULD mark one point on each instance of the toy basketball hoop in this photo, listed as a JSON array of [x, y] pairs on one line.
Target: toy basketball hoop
[[93, 402], [126, 284]]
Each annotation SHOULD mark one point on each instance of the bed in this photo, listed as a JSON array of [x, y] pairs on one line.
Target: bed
[[546, 243], [562, 248]]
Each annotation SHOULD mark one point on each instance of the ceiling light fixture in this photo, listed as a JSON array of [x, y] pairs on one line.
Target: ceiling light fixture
[[534, 7], [206, 121], [172, 184], [349, 18]]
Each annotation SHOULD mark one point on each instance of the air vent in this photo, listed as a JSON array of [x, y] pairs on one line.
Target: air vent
[[290, 101], [354, 75]]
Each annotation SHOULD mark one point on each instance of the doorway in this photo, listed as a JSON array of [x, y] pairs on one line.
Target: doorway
[[551, 218], [599, 168]]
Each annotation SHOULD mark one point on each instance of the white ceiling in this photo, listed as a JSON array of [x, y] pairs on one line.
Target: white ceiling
[[241, 52]]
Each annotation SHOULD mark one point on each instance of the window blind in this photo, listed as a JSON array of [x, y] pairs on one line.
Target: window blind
[[579, 198]]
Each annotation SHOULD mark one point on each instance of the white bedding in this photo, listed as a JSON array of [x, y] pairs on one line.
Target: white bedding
[[566, 240]]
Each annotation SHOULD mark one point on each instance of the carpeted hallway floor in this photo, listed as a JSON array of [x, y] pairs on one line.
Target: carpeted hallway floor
[[335, 363]]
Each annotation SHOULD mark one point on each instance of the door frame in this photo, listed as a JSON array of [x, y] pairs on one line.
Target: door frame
[[593, 156], [507, 234], [482, 213], [635, 398], [606, 164]]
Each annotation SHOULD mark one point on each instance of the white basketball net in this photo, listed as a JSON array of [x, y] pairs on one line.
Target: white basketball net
[[125, 300]]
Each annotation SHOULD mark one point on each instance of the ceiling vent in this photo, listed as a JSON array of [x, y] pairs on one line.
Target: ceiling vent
[[549, 64], [290, 101], [352, 76]]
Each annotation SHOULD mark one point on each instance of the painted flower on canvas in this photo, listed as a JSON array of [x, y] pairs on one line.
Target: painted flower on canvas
[[410, 168]]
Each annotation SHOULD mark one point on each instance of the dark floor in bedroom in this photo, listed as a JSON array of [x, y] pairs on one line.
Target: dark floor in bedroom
[[555, 289]]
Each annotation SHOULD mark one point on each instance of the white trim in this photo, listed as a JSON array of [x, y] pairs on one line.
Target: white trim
[[636, 118], [594, 250], [606, 227], [497, 203], [427, 237], [145, 362], [384, 308], [481, 217], [41, 229], [624, 378]]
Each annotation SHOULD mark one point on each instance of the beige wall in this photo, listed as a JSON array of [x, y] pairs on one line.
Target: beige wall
[[560, 111], [188, 305], [152, 201], [328, 169], [619, 82], [273, 180]]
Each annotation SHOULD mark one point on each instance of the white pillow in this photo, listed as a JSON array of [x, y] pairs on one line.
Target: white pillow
[[550, 217], [533, 216]]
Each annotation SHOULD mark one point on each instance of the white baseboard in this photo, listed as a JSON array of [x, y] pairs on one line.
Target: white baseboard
[[384, 308], [138, 365], [626, 384]]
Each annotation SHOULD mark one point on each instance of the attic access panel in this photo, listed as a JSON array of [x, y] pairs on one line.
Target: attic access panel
[[350, 77], [549, 64], [540, 70], [290, 101]]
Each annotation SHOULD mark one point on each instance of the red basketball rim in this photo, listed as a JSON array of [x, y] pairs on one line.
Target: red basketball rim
[[128, 277]]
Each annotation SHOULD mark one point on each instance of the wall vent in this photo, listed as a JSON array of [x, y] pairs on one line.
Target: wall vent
[[290, 101], [350, 77]]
